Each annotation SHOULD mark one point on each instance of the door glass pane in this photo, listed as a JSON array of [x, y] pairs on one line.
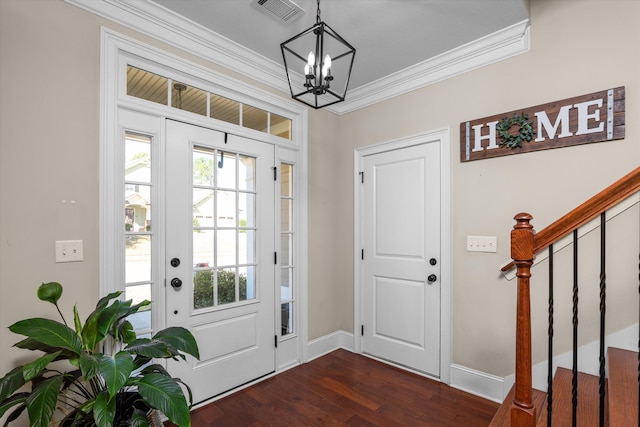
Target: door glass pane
[[203, 207], [247, 283], [226, 248], [286, 290], [137, 259], [247, 170], [246, 210], [226, 208], [285, 247], [226, 286], [286, 180], [286, 316], [285, 214], [203, 288], [203, 167], [226, 170], [247, 243], [203, 248]]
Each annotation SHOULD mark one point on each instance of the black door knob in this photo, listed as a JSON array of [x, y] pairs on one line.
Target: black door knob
[[432, 278], [175, 262], [176, 283]]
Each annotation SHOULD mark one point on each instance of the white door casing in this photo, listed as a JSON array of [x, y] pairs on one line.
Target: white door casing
[[402, 236], [236, 339]]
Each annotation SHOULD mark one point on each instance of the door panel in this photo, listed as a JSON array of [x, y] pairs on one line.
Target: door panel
[[401, 308], [220, 226]]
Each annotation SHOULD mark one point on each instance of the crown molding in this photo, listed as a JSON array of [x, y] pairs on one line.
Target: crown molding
[[501, 45], [166, 26]]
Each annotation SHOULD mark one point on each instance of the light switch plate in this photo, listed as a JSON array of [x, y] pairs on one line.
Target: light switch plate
[[482, 243], [69, 251]]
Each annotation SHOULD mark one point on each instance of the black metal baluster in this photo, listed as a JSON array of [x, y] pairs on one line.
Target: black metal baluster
[[574, 381], [550, 345], [603, 307], [639, 343]]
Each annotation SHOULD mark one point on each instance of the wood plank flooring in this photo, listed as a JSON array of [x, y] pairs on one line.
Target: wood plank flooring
[[346, 389]]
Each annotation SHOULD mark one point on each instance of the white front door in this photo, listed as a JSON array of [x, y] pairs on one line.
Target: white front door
[[401, 259], [219, 252]]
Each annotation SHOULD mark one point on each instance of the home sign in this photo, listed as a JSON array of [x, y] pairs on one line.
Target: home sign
[[595, 117]]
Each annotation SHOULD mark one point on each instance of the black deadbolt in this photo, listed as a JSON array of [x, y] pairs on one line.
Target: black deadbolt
[[175, 262], [176, 283], [433, 261]]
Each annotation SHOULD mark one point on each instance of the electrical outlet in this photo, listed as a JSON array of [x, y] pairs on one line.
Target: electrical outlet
[[69, 250], [482, 243]]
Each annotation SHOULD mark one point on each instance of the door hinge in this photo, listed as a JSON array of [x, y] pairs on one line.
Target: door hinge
[[362, 254], [362, 177], [275, 340], [275, 258], [361, 330], [275, 173]]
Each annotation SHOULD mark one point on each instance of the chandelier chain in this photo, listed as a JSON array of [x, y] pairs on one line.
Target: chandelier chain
[[318, 13]]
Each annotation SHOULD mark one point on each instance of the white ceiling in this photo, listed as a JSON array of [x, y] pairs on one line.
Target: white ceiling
[[389, 35]]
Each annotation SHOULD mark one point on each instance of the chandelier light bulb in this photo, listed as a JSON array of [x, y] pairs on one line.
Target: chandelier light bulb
[[311, 59], [326, 66]]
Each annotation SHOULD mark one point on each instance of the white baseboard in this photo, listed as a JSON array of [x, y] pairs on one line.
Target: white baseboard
[[328, 343], [481, 384], [489, 386]]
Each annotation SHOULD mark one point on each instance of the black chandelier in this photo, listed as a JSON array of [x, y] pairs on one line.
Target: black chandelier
[[326, 60]]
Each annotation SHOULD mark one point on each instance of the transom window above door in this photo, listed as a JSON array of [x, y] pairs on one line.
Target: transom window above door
[[162, 90]]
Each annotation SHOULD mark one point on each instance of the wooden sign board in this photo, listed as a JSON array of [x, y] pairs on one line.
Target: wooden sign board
[[584, 119]]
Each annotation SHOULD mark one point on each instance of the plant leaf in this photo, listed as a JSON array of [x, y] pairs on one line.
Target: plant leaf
[[33, 369], [180, 339], [11, 382], [42, 402], [76, 321], [49, 332], [116, 370], [12, 401], [50, 292], [138, 419], [126, 332], [166, 395], [89, 365], [104, 410], [149, 348], [104, 301]]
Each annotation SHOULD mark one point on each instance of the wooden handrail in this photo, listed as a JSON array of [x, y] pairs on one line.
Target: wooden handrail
[[604, 200], [525, 243]]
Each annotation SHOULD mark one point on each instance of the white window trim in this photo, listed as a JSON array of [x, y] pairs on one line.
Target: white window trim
[[117, 51]]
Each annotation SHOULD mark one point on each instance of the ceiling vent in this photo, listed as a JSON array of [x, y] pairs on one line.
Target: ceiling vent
[[283, 10]]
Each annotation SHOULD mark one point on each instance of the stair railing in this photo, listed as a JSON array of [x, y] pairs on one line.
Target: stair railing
[[525, 244]]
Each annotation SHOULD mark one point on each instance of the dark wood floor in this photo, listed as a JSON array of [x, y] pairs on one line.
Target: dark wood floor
[[346, 389]]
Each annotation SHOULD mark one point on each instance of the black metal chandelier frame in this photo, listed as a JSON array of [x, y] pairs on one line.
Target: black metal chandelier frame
[[317, 71]]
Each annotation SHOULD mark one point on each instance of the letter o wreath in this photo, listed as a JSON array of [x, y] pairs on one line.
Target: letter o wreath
[[525, 133]]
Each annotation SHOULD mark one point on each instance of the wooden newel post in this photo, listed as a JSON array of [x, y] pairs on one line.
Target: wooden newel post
[[523, 414]]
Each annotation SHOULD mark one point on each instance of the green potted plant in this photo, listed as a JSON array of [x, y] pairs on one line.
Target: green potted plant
[[100, 372]]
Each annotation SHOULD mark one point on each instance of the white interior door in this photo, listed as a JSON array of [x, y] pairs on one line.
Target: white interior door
[[220, 246], [401, 265]]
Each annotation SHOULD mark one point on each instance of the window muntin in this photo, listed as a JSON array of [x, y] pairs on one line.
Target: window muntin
[[287, 294], [138, 236], [155, 88], [224, 228]]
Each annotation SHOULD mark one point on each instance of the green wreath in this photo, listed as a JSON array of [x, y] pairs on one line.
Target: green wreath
[[524, 134]]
